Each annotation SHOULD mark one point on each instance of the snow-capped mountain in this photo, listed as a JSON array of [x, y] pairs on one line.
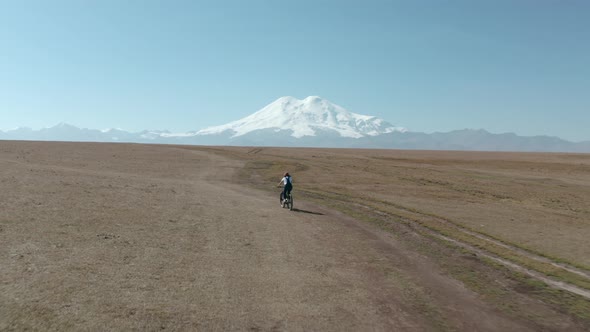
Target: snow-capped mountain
[[311, 116], [311, 122]]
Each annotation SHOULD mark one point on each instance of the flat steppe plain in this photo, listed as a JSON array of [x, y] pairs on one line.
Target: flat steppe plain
[[98, 236]]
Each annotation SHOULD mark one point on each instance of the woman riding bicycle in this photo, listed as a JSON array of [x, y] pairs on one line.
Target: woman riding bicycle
[[287, 182]]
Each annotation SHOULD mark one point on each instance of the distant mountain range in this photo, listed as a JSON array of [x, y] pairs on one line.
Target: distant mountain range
[[311, 122]]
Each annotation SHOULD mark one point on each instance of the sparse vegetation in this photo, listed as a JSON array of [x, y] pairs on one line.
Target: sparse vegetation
[[361, 190], [83, 224]]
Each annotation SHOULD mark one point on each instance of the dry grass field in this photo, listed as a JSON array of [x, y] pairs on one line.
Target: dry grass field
[[158, 237], [537, 201], [528, 212]]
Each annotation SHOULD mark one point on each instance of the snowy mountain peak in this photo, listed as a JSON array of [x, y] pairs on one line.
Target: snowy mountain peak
[[307, 117], [63, 125]]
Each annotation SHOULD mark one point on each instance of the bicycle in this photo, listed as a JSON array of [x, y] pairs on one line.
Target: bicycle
[[287, 201]]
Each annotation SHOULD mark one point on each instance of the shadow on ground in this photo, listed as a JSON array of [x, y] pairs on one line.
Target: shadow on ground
[[310, 212]]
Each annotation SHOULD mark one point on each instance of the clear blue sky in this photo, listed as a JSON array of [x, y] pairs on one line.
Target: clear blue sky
[[505, 66]]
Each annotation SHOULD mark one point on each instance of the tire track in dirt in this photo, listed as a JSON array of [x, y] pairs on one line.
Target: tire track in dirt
[[342, 242], [508, 263], [567, 267]]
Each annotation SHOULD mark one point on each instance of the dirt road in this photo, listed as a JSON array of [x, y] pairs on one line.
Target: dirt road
[[137, 237]]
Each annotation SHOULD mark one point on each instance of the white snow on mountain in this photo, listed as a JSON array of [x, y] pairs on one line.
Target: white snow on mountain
[[110, 130], [189, 134], [304, 118]]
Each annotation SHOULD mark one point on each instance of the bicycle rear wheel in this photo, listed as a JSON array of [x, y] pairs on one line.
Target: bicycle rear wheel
[[291, 202]]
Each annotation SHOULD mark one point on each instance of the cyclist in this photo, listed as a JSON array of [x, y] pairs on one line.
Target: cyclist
[[287, 182]]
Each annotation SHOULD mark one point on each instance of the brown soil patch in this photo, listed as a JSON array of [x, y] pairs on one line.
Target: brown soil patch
[[140, 237]]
